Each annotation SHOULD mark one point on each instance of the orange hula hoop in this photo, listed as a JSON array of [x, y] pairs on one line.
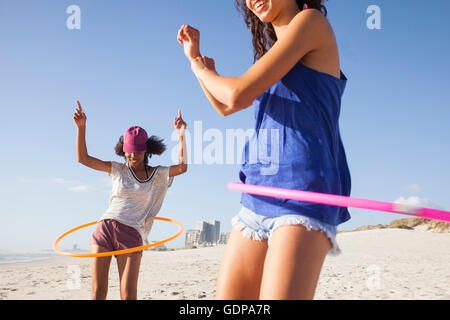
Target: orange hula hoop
[[117, 252]]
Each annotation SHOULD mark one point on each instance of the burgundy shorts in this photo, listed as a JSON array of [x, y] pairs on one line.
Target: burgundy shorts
[[113, 235]]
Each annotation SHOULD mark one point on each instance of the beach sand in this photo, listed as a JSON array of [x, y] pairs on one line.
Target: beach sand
[[374, 264]]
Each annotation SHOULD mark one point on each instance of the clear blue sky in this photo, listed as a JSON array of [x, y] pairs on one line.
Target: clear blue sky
[[126, 68]]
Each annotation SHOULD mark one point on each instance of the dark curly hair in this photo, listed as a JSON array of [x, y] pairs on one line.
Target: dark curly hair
[[155, 145], [263, 33]]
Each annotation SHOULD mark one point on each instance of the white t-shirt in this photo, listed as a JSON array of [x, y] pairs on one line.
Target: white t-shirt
[[135, 202]]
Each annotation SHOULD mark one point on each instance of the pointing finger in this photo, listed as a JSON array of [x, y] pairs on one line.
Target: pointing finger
[[179, 35], [80, 108], [183, 34]]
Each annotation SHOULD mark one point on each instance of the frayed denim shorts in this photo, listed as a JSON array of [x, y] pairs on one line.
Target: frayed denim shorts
[[258, 227]]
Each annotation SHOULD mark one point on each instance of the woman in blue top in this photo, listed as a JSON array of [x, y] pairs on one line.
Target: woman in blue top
[[277, 247]]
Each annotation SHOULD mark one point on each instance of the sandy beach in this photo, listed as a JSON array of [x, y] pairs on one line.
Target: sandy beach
[[374, 264]]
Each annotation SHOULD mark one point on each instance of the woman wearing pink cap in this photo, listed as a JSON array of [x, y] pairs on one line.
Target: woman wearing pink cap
[[138, 191]]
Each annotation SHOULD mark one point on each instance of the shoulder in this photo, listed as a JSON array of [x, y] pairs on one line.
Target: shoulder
[[118, 164], [163, 168], [312, 27], [117, 167], [312, 19], [311, 15], [160, 170], [162, 175]]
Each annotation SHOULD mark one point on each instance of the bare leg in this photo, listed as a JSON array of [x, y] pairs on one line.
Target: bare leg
[[293, 263], [241, 268], [129, 265], [100, 272]]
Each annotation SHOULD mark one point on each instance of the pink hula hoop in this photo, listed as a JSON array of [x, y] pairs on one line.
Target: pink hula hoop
[[340, 201]]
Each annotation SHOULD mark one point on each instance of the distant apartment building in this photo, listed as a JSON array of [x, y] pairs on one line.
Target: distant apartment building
[[224, 237], [161, 247], [214, 231], [204, 233], [192, 238]]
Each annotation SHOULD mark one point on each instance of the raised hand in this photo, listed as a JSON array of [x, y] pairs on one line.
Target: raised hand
[[179, 123], [189, 37], [79, 117]]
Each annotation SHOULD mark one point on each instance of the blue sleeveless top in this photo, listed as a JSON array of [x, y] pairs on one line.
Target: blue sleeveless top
[[297, 145]]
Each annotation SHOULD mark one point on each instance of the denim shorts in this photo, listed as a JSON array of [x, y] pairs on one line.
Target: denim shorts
[[113, 235], [258, 227]]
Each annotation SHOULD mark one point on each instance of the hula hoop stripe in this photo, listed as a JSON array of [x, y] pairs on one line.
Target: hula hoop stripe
[[340, 201], [117, 252]]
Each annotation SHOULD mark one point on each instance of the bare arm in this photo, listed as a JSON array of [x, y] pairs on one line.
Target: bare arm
[[221, 108], [82, 154], [238, 93], [181, 167]]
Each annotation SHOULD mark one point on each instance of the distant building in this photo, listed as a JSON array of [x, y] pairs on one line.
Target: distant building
[[204, 233], [224, 237], [161, 247], [214, 231], [192, 238], [202, 226]]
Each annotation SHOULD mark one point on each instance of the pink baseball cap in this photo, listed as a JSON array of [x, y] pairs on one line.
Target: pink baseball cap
[[135, 140]]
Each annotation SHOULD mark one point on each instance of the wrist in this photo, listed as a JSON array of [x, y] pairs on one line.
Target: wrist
[[199, 57], [197, 65]]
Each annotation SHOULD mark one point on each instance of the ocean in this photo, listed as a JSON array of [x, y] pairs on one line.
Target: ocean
[[25, 257], [15, 257]]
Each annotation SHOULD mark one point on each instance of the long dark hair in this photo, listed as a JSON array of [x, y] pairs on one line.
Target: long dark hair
[[263, 33], [155, 145]]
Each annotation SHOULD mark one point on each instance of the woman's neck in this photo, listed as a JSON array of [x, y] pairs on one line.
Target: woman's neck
[[284, 18], [137, 167]]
